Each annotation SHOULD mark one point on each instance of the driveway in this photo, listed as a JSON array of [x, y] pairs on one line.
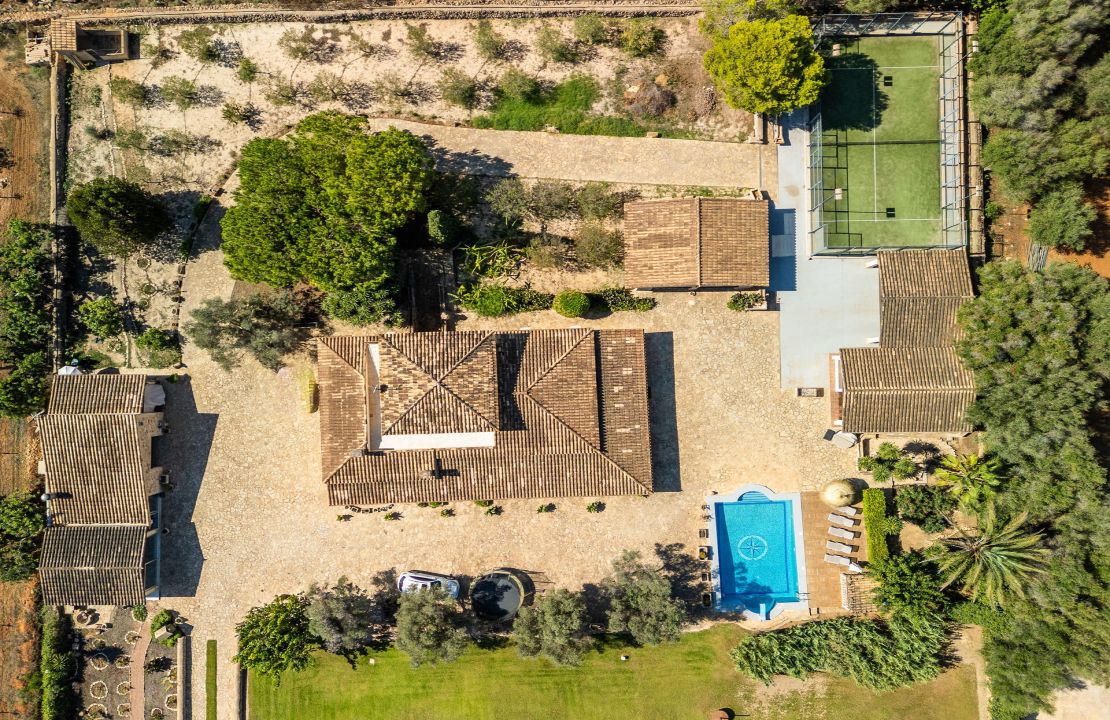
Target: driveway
[[632, 160]]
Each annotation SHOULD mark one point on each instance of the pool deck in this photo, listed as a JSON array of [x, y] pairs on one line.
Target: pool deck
[[824, 578]]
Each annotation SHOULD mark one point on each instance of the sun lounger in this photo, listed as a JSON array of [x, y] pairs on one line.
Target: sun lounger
[[837, 559], [841, 520], [848, 510], [838, 547], [842, 533]]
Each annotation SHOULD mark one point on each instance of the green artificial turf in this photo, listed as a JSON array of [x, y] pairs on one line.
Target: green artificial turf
[[210, 680], [671, 682], [882, 143]]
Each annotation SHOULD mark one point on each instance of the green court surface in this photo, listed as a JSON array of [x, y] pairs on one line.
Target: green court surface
[[881, 144]]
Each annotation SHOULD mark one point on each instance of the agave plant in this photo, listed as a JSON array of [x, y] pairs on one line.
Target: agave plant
[[971, 479], [993, 563]]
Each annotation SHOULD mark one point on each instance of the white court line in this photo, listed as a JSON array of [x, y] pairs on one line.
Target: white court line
[[889, 67], [874, 152], [859, 220]]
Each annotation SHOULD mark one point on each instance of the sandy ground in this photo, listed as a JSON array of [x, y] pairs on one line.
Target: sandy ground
[[1089, 703], [249, 517], [23, 124]]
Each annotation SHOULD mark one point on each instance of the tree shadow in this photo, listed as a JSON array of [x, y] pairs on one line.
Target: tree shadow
[[858, 99], [470, 162], [186, 449], [685, 572], [666, 469]]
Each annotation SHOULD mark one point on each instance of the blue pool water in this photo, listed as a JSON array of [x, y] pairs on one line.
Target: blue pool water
[[755, 546]]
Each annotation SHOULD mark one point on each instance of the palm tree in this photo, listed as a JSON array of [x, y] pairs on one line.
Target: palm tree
[[993, 563], [970, 478]]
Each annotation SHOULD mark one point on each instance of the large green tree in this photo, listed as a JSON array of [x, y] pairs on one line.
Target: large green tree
[[972, 480], [345, 618], [767, 66], [555, 627], [274, 638], [430, 627], [641, 601], [116, 216], [25, 297], [325, 205], [1062, 218]]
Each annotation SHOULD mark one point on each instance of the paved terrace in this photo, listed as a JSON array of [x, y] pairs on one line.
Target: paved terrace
[[639, 161]]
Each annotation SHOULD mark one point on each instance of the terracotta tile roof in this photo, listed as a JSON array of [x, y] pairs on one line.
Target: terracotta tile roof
[[905, 390], [96, 467], [697, 242], [568, 409], [920, 292], [914, 382], [93, 565], [117, 394]]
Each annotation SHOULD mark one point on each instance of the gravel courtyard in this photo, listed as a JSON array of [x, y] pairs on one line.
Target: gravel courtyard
[[249, 518]]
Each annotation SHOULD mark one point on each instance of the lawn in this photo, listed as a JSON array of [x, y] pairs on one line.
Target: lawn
[[672, 682], [881, 124]]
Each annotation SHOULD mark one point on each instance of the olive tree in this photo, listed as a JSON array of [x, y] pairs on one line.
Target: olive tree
[[115, 215]]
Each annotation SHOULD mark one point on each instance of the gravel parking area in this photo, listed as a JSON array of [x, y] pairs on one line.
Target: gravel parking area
[[258, 523]]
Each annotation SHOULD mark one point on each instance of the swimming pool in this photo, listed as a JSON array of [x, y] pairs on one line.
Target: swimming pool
[[758, 562]]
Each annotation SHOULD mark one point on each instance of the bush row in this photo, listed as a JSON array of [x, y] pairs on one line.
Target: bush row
[[875, 524], [25, 330], [57, 666]]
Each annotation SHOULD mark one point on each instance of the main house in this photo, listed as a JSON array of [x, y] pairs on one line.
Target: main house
[[100, 444], [425, 417], [913, 382]]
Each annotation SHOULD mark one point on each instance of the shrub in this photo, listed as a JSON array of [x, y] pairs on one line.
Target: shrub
[[591, 29], [362, 305], [57, 666], [552, 46], [420, 43], [161, 346], [22, 519], [103, 317], [889, 463], [161, 620], [139, 613], [925, 506], [180, 91], [875, 525], [598, 201], [595, 507], [23, 391], [881, 655], [641, 37], [197, 44], [130, 92], [236, 114], [518, 85], [571, 304], [488, 42], [392, 516], [443, 228], [597, 246], [745, 301], [267, 327], [908, 586], [247, 71], [494, 300], [619, 299], [344, 617], [546, 251], [458, 88]]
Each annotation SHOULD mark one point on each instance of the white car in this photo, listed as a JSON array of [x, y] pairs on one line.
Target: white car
[[415, 580]]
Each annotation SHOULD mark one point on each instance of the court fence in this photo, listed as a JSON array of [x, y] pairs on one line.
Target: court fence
[[825, 207]]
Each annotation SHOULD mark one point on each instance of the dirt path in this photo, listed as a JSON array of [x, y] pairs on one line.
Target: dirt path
[[637, 161], [969, 647], [20, 135]]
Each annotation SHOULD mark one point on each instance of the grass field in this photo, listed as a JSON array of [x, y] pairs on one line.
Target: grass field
[[881, 143], [672, 682]]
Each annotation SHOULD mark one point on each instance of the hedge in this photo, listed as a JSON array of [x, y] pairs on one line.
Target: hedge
[[210, 680], [875, 524], [58, 667]]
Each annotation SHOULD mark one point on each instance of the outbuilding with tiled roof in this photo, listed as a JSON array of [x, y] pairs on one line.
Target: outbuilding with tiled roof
[[913, 381], [698, 242]]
